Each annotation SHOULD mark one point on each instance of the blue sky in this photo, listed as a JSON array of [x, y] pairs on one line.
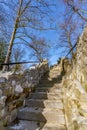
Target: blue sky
[[51, 36]]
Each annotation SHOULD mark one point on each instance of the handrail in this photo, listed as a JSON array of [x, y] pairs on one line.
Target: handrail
[[15, 63], [72, 47], [12, 63]]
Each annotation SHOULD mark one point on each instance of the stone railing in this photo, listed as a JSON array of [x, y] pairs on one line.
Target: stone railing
[[15, 88], [75, 88]]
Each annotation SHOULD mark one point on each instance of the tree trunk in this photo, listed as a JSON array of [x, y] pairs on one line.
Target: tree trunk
[[7, 59]]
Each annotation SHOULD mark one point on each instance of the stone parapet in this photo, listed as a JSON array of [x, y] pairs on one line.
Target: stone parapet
[[14, 88]]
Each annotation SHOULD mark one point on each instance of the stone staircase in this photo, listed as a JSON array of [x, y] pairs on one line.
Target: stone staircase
[[44, 108]]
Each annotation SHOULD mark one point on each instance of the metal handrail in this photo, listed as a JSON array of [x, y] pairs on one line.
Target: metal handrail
[[71, 50], [72, 47], [15, 63]]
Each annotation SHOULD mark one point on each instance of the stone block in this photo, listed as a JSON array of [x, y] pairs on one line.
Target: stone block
[[13, 115], [3, 113], [18, 89], [3, 79], [1, 92], [2, 101]]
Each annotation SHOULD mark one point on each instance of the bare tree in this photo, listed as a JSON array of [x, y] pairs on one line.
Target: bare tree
[[17, 56], [30, 14], [39, 47], [68, 36], [78, 7], [72, 24]]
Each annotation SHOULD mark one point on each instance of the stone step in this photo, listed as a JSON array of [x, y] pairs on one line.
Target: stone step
[[44, 95], [32, 125], [47, 82], [45, 79], [42, 115], [44, 103], [27, 125], [55, 126], [45, 85], [50, 85], [47, 89]]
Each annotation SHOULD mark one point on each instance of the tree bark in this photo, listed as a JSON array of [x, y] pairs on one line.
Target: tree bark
[[7, 59]]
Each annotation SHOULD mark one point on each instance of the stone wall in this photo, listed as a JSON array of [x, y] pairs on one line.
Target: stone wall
[[81, 65], [75, 88], [15, 88]]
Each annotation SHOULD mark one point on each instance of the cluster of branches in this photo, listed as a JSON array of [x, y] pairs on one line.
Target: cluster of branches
[[78, 7], [25, 17], [20, 20], [74, 20]]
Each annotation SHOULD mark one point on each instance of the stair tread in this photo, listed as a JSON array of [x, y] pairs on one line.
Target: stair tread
[[43, 115], [41, 110], [42, 100], [49, 88], [44, 86], [55, 87], [44, 108], [53, 126], [44, 95], [33, 125], [25, 125], [44, 103]]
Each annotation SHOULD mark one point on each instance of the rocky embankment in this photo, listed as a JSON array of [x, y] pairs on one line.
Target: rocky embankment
[[14, 88], [75, 87]]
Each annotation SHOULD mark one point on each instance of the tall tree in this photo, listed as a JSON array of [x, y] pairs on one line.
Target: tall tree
[[30, 16]]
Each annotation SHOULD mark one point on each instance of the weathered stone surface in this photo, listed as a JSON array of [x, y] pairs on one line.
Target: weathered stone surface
[[1, 126], [38, 114], [15, 104], [8, 91], [1, 92], [56, 104], [12, 97], [13, 82], [75, 88], [15, 87], [24, 125], [13, 115], [2, 101], [18, 89], [81, 64], [2, 80]]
